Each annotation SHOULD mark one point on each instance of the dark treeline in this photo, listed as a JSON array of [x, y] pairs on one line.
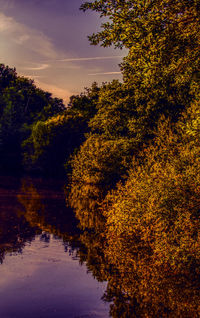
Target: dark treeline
[[37, 132], [22, 104], [131, 149]]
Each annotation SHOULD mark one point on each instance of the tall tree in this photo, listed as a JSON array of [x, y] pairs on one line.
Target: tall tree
[[21, 105], [163, 61]]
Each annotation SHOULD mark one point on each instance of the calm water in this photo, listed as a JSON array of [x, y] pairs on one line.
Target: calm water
[[50, 268], [40, 271]]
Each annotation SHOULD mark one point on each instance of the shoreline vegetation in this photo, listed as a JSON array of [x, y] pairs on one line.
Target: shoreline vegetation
[[131, 154]]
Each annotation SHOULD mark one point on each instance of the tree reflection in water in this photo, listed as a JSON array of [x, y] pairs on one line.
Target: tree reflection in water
[[44, 207], [136, 287], [34, 207], [15, 231], [85, 198]]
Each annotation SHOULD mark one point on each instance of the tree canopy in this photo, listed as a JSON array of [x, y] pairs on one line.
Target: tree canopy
[[162, 38], [21, 105]]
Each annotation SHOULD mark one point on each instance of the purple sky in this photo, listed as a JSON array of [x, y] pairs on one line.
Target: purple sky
[[47, 40]]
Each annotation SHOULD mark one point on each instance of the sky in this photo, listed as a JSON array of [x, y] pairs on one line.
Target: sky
[[46, 40]]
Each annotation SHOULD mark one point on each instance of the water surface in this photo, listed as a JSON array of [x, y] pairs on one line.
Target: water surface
[[51, 268], [41, 274]]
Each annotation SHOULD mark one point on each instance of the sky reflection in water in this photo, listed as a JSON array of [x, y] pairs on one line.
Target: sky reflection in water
[[46, 279], [41, 250]]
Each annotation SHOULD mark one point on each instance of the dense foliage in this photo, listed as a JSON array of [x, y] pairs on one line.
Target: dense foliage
[[37, 131], [133, 148], [139, 167], [21, 105], [162, 66], [54, 140]]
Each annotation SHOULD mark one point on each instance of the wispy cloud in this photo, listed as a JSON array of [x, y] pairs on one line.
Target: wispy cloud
[[79, 59], [22, 38], [37, 68], [53, 67], [27, 37], [105, 73], [32, 76]]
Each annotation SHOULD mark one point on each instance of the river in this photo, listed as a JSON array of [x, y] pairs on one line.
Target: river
[[41, 274], [50, 267]]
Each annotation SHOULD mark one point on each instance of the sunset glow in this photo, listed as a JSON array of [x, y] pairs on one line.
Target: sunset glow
[[47, 41]]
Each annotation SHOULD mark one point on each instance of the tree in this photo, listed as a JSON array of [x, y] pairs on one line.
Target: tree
[[162, 38], [115, 107], [21, 105], [53, 140]]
